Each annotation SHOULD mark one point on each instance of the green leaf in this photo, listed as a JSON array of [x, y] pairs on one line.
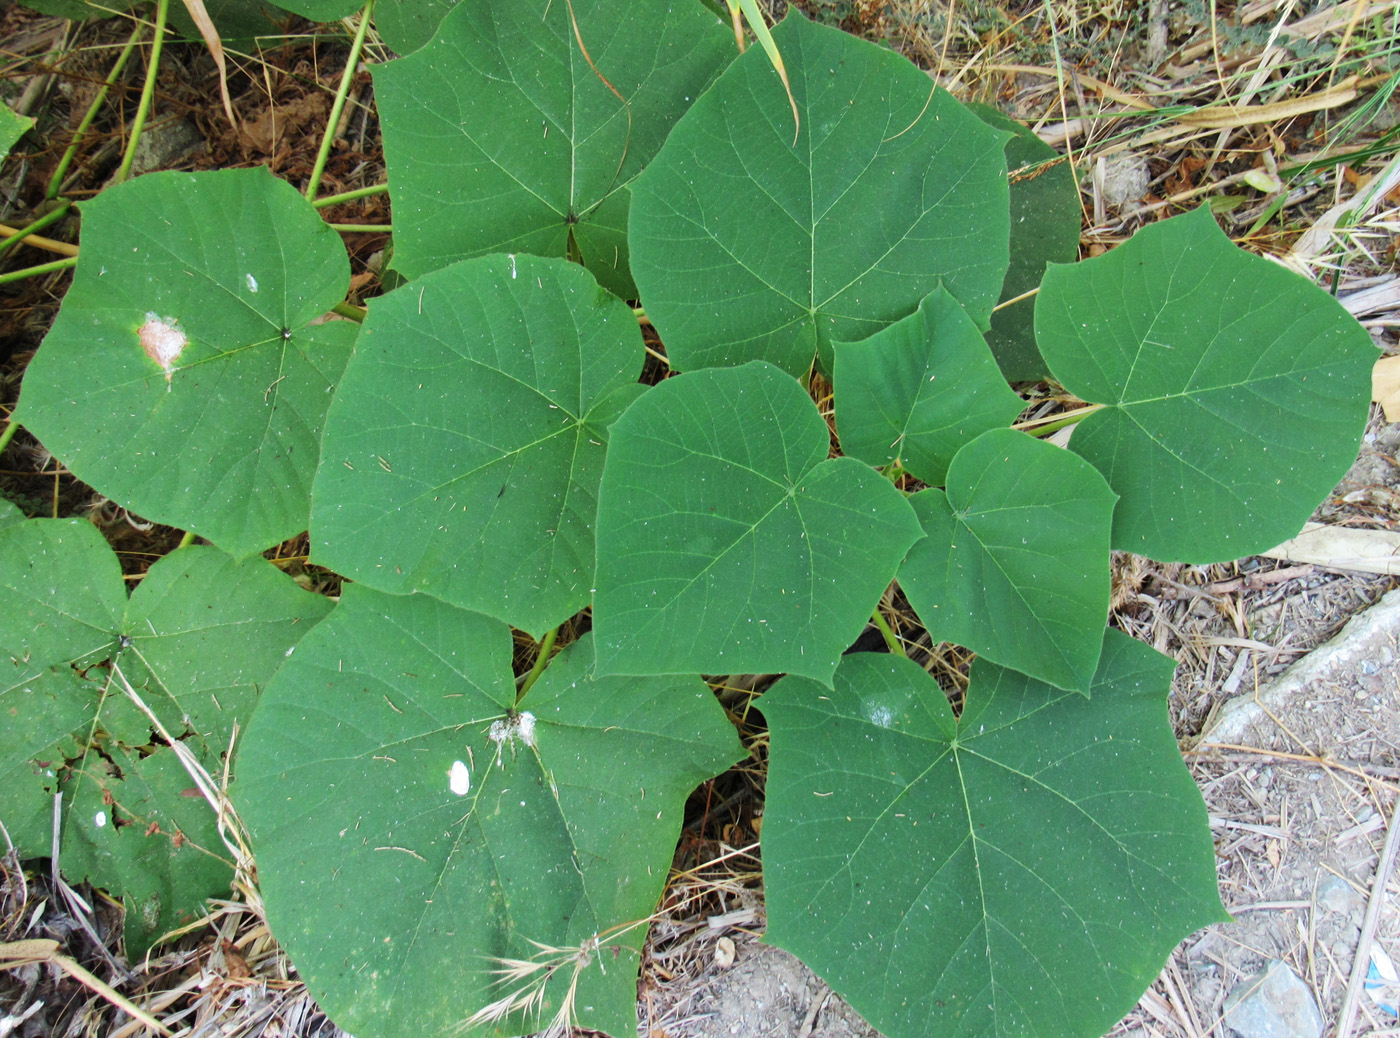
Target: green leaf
[[745, 246], [1023, 870], [1015, 564], [200, 635], [500, 135], [324, 10], [10, 514], [728, 542], [1236, 391], [1045, 221], [915, 392], [222, 275], [406, 25], [386, 770], [465, 445], [12, 128]]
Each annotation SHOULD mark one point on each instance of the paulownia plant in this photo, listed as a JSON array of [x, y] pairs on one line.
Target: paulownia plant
[[447, 846]]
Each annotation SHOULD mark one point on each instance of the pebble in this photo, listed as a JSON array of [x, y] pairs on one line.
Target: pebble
[[1335, 894], [1273, 1004]]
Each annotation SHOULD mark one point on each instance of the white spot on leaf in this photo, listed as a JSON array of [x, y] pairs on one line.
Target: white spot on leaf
[[511, 255], [100, 819], [459, 779], [252, 283], [881, 716], [163, 341]]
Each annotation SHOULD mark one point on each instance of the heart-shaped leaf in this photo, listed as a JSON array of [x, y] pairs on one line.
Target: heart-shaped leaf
[[727, 541], [1236, 391], [1025, 869], [187, 374], [464, 449], [748, 246], [1015, 564], [390, 768], [915, 392], [1045, 220], [519, 127], [198, 638]]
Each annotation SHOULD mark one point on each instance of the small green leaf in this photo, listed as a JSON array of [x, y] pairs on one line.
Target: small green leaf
[[728, 542], [460, 827], [503, 134], [1015, 564], [200, 635], [463, 452], [745, 247], [10, 515], [1236, 391], [1045, 221], [915, 392], [184, 376], [12, 128], [406, 25], [1025, 869]]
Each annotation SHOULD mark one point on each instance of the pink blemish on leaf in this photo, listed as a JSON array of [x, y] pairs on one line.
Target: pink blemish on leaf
[[163, 342]]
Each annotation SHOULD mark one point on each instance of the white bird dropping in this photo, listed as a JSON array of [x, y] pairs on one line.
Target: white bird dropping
[[460, 779]]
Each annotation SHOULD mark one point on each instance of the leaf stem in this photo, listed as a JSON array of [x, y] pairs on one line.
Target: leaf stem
[[38, 225], [891, 640], [148, 92], [541, 661], [42, 268], [342, 92], [8, 434], [350, 310], [350, 196], [364, 228], [56, 181], [186, 540]]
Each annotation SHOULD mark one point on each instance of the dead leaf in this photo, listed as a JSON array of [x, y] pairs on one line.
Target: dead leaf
[[1385, 386], [724, 953]]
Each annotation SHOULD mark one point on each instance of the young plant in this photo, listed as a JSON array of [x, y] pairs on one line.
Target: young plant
[[443, 847]]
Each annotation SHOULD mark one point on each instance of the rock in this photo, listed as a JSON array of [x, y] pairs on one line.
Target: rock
[[1335, 894], [1125, 179], [1273, 1004]]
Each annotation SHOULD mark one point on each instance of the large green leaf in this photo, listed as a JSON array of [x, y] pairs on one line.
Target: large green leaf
[[915, 392], [465, 445], [1015, 564], [728, 542], [412, 824], [1236, 391], [1045, 220], [187, 375], [200, 635], [746, 246], [1023, 870], [504, 134]]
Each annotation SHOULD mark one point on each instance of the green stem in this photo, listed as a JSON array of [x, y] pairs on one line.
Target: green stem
[[541, 661], [8, 435], [56, 181], [878, 619], [350, 196], [342, 92], [364, 228], [350, 310], [35, 227], [42, 268], [186, 540], [148, 92]]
